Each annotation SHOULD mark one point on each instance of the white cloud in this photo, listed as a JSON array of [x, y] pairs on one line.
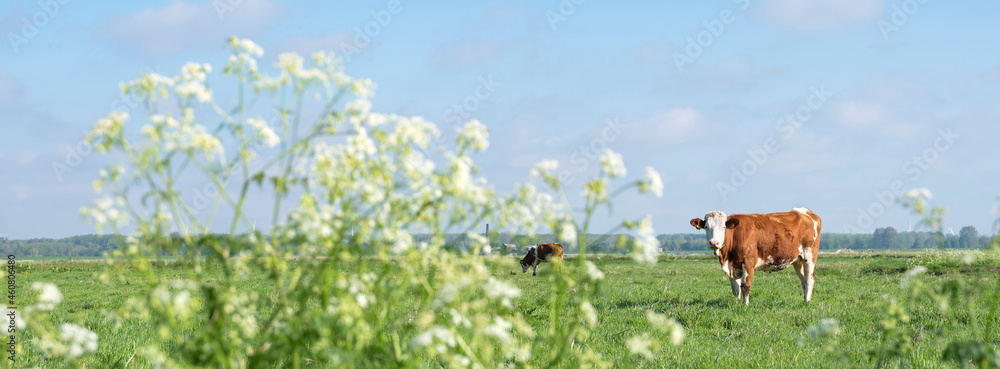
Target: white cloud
[[182, 26], [672, 126], [858, 114], [26, 157], [818, 15]]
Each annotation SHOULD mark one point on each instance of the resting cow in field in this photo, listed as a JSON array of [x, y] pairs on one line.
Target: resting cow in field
[[769, 242], [540, 253]]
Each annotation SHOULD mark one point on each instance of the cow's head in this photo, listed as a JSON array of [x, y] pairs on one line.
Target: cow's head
[[525, 264], [715, 224]]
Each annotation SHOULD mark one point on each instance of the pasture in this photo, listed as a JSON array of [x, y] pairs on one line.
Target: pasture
[[719, 332]]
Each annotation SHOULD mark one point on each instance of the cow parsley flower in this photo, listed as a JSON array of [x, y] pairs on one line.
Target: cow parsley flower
[[661, 323], [597, 189], [500, 329], [191, 82], [363, 88], [612, 164], [593, 272], [79, 339], [916, 198], [497, 289], [827, 328], [264, 132], [567, 233], [589, 313], [107, 130], [646, 245], [652, 183], [474, 134], [641, 345], [48, 296], [441, 337]]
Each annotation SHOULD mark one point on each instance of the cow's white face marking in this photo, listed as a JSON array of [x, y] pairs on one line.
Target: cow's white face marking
[[715, 229]]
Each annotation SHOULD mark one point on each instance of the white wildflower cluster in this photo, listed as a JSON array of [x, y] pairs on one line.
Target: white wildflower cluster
[[545, 170], [400, 240], [612, 164], [499, 329], [567, 232], [107, 131], [593, 272], [828, 328], [438, 337], [652, 183], [589, 313], [662, 323], [473, 134], [477, 242], [150, 87], [462, 185], [244, 51], [416, 131], [363, 88], [264, 133], [72, 342], [179, 305], [243, 314], [646, 245], [185, 135], [48, 296], [596, 189], [105, 212], [500, 290], [532, 209], [291, 65], [642, 345], [191, 82]]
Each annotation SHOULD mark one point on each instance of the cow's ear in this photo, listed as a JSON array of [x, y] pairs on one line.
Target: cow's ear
[[732, 223], [698, 223]]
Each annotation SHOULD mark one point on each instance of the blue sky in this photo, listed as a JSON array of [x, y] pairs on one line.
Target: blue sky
[[884, 94]]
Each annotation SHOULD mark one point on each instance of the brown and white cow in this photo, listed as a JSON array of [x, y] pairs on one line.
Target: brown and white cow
[[769, 242], [540, 253]]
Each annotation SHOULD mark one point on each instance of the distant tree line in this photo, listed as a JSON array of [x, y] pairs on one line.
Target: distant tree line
[[968, 237]]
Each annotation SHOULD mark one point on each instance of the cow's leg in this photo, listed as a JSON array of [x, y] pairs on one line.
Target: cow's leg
[[747, 281], [800, 266], [735, 284], [808, 270], [534, 267]]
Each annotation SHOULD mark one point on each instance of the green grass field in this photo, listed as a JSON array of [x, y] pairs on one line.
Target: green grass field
[[720, 332]]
